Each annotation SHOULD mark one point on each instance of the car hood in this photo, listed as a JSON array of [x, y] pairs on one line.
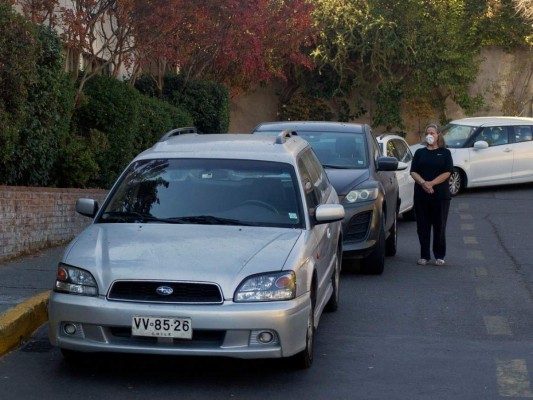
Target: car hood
[[344, 180], [209, 253]]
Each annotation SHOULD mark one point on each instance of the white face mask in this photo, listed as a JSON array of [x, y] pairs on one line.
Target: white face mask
[[430, 139]]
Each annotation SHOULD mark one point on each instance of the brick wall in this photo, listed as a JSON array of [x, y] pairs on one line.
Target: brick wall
[[33, 218]]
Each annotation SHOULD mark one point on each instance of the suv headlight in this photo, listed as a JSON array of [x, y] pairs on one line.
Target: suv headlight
[[272, 286], [75, 281], [358, 195]]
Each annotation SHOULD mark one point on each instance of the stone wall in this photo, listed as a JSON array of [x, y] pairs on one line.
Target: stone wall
[[505, 81], [33, 218]]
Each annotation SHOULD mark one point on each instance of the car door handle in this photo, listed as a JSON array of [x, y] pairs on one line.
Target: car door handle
[[507, 150], [328, 233]]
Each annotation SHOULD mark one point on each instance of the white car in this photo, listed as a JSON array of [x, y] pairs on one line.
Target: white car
[[395, 146], [490, 151]]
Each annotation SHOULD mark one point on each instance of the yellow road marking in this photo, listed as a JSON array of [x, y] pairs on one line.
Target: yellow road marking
[[467, 227], [466, 216], [513, 378]]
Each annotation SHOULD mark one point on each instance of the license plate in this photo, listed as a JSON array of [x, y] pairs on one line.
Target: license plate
[[162, 327]]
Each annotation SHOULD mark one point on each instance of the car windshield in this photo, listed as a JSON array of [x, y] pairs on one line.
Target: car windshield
[[457, 135], [206, 191], [334, 149]]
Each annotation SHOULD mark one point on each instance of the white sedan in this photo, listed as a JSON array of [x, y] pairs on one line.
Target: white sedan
[[396, 146]]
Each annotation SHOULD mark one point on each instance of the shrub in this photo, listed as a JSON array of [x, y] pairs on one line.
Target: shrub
[[207, 102], [19, 50], [111, 107], [157, 118]]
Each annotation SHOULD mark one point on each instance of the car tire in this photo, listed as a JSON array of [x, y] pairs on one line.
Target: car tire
[[456, 182], [333, 302], [391, 244], [374, 264], [304, 359]]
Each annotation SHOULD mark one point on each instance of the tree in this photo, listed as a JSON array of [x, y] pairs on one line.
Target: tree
[[525, 8], [235, 42], [389, 51]]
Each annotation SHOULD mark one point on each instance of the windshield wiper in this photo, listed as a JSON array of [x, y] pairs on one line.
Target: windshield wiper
[[129, 216], [206, 220], [337, 166], [132, 216]]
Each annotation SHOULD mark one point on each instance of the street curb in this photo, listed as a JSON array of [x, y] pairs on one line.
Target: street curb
[[18, 323]]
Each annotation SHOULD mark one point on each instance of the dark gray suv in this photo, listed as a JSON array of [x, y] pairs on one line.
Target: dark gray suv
[[364, 180]]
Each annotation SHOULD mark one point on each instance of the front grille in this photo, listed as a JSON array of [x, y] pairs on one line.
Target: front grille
[[358, 227], [182, 292]]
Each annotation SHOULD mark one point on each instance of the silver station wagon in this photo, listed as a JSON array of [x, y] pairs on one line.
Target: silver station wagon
[[207, 245]]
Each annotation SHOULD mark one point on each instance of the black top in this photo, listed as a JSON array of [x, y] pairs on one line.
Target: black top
[[429, 164]]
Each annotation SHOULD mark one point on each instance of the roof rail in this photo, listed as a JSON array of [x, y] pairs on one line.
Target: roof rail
[[282, 137], [178, 131]]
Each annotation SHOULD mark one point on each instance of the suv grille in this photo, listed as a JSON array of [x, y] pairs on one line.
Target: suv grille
[[182, 292], [358, 227]]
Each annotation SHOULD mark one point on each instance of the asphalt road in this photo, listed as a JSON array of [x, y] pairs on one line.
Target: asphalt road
[[463, 331]]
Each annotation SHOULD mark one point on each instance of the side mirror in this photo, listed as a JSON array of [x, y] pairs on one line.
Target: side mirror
[[481, 144], [401, 166], [387, 164], [87, 207], [329, 213]]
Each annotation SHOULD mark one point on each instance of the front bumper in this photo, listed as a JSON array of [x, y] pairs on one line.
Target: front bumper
[[218, 330], [360, 229]]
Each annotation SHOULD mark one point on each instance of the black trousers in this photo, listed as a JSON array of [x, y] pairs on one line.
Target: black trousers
[[432, 215]]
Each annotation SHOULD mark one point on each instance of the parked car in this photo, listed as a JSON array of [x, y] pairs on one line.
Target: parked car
[[207, 245], [395, 146], [489, 151], [364, 180]]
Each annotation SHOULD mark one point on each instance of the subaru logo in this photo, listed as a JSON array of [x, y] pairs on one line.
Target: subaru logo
[[164, 290]]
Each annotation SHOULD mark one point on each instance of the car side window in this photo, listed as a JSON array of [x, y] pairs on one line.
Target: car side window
[[391, 150], [402, 151], [375, 150], [314, 180], [523, 133], [495, 135]]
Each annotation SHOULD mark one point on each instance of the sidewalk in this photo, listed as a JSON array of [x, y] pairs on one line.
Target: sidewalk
[[25, 284]]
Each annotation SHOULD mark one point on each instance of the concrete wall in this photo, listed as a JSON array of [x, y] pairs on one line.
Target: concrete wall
[[505, 81], [35, 218]]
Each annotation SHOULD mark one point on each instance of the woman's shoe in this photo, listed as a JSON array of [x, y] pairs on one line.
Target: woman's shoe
[[440, 262], [422, 261]]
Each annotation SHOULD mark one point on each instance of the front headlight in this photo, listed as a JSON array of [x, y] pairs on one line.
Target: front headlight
[[75, 281], [272, 286], [358, 195]]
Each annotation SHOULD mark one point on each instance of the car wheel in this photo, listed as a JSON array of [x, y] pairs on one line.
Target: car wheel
[[304, 359], [456, 182], [333, 302], [374, 264], [391, 243]]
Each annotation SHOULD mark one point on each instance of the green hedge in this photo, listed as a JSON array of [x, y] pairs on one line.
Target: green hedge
[[207, 102], [35, 100], [158, 117], [115, 123]]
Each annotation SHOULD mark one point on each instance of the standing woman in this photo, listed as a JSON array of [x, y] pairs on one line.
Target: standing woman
[[431, 168]]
